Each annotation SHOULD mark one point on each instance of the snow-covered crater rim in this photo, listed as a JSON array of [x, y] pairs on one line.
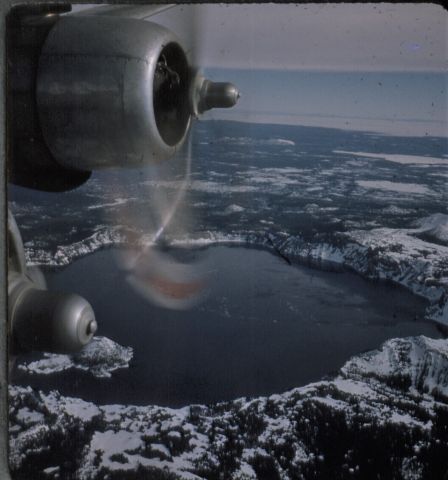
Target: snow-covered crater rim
[[402, 256]]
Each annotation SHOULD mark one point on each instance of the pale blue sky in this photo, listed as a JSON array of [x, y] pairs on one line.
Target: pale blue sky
[[328, 36], [409, 103], [380, 67]]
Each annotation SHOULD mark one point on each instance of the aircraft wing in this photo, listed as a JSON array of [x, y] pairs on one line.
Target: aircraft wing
[[127, 11]]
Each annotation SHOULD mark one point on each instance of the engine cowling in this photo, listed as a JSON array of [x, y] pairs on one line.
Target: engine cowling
[[96, 91], [112, 92], [40, 319]]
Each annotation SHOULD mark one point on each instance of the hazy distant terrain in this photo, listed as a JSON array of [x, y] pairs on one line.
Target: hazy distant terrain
[[250, 178]]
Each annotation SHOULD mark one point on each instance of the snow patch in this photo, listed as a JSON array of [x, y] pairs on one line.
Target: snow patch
[[396, 158], [435, 226], [395, 186], [100, 358], [118, 201], [250, 141], [234, 208]]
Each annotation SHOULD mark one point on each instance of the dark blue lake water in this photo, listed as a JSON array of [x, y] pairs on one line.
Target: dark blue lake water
[[265, 327]]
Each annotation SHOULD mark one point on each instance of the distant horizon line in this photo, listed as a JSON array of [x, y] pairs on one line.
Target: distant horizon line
[[327, 69], [351, 127], [336, 116]]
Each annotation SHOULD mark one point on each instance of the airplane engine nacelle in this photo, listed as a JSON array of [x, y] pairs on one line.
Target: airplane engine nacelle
[[40, 319], [94, 91], [112, 92]]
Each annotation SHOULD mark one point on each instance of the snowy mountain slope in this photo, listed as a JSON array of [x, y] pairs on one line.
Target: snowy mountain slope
[[384, 416]]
